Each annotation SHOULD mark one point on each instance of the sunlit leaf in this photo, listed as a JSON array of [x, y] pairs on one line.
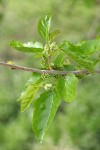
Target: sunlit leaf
[[28, 47]]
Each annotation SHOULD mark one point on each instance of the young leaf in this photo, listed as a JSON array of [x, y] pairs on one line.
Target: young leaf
[[29, 47], [59, 61], [45, 108], [31, 89], [44, 26], [91, 46], [53, 34], [76, 54], [67, 87]]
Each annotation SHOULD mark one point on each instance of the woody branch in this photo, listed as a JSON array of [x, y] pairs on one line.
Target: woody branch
[[16, 67]]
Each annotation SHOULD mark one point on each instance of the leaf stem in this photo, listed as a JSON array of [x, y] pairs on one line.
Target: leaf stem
[[48, 57]]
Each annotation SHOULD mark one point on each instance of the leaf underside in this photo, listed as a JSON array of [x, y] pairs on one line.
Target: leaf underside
[[30, 91]]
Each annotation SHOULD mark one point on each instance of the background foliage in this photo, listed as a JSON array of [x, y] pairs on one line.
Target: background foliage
[[77, 20]]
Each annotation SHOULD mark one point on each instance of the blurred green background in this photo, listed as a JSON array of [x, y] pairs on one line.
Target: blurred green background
[[76, 125]]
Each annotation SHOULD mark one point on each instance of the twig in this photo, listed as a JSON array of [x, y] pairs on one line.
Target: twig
[[15, 67]]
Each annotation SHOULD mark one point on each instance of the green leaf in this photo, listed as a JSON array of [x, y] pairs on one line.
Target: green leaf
[[44, 26], [30, 91], [69, 67], [59, 61], [77, 55], [67, 87], [45, 108], [53, 34], [29, 47], [89, 47]]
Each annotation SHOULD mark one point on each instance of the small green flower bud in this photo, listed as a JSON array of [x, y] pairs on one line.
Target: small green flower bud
[[48, 86]]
